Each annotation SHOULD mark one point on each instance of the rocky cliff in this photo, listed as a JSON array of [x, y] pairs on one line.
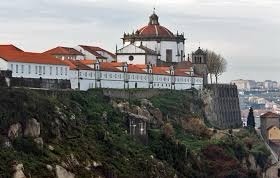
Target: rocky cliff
[[86, 134]]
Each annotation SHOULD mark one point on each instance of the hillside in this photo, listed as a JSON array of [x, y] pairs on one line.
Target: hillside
[[84, 134]]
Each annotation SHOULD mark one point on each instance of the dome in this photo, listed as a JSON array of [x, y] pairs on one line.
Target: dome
[[154, 29]]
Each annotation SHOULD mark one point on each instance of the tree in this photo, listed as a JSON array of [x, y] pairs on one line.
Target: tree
[[251, 119], [216, 65]]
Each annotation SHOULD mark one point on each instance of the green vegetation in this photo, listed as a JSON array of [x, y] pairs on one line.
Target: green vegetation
[[84, 127]]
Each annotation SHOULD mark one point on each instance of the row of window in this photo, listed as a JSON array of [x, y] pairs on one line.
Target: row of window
[[135, 77], [41, 70]]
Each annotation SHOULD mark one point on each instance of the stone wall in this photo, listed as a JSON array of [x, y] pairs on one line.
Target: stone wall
[[131, 94], [40, 83], [222, 108]]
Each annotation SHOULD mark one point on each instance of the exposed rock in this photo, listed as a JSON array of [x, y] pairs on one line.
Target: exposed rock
[[157, 114], [18, 171], [141, 111], [154, 112], [63, 173], [123, 107], [49, 167], [253, 163], [39, 141], [96, 164], [32, 128], [146, 102], [15, 131], [50, 147]]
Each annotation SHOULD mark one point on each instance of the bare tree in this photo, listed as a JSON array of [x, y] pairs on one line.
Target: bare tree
[[220, 67], [216, 65]]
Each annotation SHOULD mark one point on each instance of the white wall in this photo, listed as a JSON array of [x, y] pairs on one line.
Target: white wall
[[45, 71], [162, 47], [138, 59]]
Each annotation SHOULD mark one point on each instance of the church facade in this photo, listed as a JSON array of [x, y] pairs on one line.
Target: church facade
[[152, 44]]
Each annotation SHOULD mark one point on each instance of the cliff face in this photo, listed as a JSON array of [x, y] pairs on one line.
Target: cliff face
[[85, 134]]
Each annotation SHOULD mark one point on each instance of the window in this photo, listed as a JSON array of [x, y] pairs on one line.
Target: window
[[182, 55], [16, 68], [29, 69], [56, 68], [65, 70], [36, 69], [90, 74], [22, 68], [50, 70], [61, 71], [44, 69], [85, 74], [40, 70], [12, 67], [169, 55]]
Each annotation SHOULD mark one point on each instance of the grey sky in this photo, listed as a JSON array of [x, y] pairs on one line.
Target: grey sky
[[245, 32]]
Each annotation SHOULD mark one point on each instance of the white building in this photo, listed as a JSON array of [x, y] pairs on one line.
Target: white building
[[31, 65], [126, 76], [87, 74], [246, 85], [157, 39]]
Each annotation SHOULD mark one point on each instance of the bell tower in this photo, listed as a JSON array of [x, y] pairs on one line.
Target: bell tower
[[199, 61]]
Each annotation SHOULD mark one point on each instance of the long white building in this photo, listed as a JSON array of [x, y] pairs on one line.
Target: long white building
[[87, 74]]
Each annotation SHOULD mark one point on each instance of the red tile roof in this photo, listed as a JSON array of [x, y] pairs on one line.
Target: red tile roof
[[10, 47], [28, 57], [77, 65], [118, 64], [88, 61], [182, 72], [106, 66], [63, 51], [270, 115], [141, 66], [94, 50], [135, 69], [161, 70]]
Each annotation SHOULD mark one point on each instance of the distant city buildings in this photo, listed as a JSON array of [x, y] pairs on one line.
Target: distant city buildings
[[252, 85]]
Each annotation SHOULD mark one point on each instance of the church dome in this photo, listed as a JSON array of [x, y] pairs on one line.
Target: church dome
[[154, 29]]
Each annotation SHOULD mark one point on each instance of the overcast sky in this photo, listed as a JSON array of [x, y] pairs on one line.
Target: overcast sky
[[245, 32]]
